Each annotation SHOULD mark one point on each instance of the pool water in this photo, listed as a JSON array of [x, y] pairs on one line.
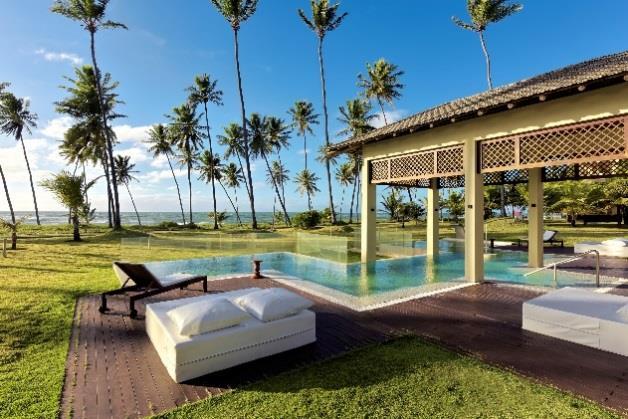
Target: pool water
[[374, 278]]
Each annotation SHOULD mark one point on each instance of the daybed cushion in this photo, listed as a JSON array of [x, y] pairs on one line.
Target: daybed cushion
[[616, 243], [273, 304], [604, 250], [187, 357], [580, 316], [206, 316]]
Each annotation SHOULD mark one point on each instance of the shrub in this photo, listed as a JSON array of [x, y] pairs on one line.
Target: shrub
[[167, 225], [307, 219]]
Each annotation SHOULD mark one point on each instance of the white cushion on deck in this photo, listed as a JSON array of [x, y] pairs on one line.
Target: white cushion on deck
[[206, 316], [273, 303], [616, 242], [580, 316]]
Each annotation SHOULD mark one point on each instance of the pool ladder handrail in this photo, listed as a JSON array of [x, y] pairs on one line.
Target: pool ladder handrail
[[577, 257]]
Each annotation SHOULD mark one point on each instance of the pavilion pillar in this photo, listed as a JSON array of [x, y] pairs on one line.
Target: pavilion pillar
[[432, 218], [473, 214], [535, 218], [369, 216]]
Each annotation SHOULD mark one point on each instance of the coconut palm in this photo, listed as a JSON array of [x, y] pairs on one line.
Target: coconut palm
[[482, 14], [124, 176], [232, 178], [70, 191], [13, 226], [279, 135], [263, 145], [356, 117], [232, 140], [3, 86], [306, 182], [6, 193], [187, 136], [15, 118], [211, 168], [160, 145], [344, 176], [325, 18], [280, 173], [86, 141], [205, 91], [356, 163], [236, 12], [381, 83], [303, 117], [91, 14]]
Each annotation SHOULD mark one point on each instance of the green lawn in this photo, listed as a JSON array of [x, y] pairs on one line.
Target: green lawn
[[42, 279], [405, 378]]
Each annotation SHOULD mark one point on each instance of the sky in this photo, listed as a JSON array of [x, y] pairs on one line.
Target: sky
[[169, 42]]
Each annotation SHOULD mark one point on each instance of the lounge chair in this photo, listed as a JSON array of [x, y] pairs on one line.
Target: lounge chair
[[139, 281], [613, 248], [187, 355], [549, 236], [580, 316]]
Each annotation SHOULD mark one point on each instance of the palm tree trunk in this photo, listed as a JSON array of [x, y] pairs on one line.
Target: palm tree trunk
[[137, 214], [355, 182], [30, 176], [326, 117], [283, 205], [232, 204], [211, 150], [76, 232], [178, 190], [190, 189], [502, 200], [237, 206], [245, 137], [488, 60], [116, 199], [108, 181], [6, 192], [281, 182], [305, 150], [381, 106]]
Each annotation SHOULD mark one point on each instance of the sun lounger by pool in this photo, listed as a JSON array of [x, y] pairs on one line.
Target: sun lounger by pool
[[549, 236], [138, 280], [615, 247], [236, 341], [580, 316]]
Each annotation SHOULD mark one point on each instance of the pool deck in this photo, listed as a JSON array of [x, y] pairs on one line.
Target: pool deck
[[112, 369]]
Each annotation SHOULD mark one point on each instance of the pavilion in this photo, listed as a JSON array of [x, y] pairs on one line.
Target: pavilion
[[567, 124]]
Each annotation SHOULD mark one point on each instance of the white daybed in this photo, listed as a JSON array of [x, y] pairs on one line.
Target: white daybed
[[187, 357], [580, 316], [616, 247]]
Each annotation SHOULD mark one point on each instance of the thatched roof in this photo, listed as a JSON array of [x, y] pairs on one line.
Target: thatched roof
[[571, 80]]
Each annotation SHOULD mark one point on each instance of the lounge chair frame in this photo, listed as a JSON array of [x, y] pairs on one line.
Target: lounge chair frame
[[552, 240], [145, 287]]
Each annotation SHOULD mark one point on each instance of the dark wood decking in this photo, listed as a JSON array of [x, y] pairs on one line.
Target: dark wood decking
[[113, 370]]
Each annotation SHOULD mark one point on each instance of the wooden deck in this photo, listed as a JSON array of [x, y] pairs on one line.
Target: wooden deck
[[113, 371]]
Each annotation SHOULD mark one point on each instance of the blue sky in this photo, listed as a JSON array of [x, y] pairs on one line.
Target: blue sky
[[169, 42]]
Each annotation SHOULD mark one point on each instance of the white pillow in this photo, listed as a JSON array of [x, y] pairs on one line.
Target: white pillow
[[623, 312], [616, 243], [273, 304], [206, 316]]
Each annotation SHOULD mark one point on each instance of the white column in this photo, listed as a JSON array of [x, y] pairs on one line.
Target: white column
[[369, 216], [535, 218], [473, 215], [432, 218]]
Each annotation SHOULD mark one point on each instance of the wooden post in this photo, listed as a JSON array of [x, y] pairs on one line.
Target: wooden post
[[369, 216], [432, 218]]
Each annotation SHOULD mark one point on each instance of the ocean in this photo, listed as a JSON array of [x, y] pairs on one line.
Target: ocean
[[148, 218]]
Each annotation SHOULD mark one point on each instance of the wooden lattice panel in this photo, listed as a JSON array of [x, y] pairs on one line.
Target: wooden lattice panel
[[558, 173], [510, 177], [428, 164], [451, 182], [607, 168], [593, 141]]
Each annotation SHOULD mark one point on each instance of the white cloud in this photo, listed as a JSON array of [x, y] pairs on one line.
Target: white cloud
[[128, 133], [56, 128], [391, 116], [302, 152], [159, 162], [59, 56], [138, 154], [157, 176]]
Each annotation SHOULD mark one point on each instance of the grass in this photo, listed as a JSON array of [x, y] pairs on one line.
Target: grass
[[41, 281], [405, 378]]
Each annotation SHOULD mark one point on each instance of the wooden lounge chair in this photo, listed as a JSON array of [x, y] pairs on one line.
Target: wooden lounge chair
[[145, 284], [549, 236]]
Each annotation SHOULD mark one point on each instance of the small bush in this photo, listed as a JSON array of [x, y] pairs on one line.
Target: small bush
[[307, 219], [167, 225]]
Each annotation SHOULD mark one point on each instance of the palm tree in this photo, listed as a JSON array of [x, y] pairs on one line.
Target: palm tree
[[356, 116], [186, 135], [280, 173], [233, 178], [6, 193], [482, 14], [325, 18], [306, 182], [91, 14], [205, 91], [70, 191], [381, 83], [15, 118], [344, 176], [278, 135], [232, 141], [211, 168], [303, 117], [262, 144], [124, 175], [160, 145], [236, 12], [356, 163]]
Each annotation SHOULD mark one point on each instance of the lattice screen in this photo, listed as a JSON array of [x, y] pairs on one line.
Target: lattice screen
[[578, 143]]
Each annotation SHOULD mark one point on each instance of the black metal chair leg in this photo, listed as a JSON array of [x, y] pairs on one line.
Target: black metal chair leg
[[103, 303]]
